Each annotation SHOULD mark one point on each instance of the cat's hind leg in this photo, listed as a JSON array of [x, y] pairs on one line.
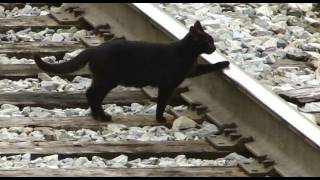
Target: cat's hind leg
[[95, 95], [164, 94]]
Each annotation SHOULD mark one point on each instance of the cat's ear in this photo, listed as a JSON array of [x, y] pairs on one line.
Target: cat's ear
[[198, 26], [191, 29]]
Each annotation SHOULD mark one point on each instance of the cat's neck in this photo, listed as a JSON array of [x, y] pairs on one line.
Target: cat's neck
[[187, 47]]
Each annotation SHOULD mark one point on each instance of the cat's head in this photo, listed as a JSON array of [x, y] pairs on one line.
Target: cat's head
[[203, 41]]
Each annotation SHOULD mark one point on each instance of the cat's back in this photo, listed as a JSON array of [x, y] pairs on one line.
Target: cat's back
[[134, 48]]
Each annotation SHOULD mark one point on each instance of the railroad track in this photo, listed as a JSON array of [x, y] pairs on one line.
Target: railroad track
[[251, 120]]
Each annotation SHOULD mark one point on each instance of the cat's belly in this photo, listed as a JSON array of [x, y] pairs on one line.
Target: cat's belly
[[155, 81], [139, 83]]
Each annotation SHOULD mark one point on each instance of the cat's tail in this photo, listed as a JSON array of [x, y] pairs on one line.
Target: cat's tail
[[66, 67]]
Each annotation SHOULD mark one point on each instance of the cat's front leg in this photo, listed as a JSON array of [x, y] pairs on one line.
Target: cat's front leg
[[207, 68], [164, 94]]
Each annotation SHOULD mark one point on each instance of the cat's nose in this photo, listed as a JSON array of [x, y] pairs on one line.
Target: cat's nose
[[213, 48]]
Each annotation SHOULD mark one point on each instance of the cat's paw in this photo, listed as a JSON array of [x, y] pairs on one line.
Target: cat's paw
[[104, 118], [161, 119], [223, 64]]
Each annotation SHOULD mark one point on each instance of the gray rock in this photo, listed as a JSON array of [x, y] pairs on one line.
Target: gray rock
[[311, 107], [263, 22], [222, 34], [44, 77], [236, 158], [150, 161], [135, 162], [151, 110], [270, 44], [49, 85], [195, 162], [206, 129], [265, 10], [72, 54], [305, 7], [295, 12], [37, 135], [16, 129], [6, 164], [277, 53], [244, 10], [49, 59], [282, 43], [26, 10], [46, 31], [312, 21], [36, 161], [161, 138], [314, 46], [79, 162], [136, 131], [183, 122], [181, 160], [113, 109], [72, 30], [158, 130], [51, 158], [234, 46], [9, 106], [212, 23], [135, 107], [39, 114], [179, 136], [26, 157], [145, 137], [27, 130], [308, 47], [270, 59], [44, 13], [314, 58], [116, 127], [4, 60], [237, 35], [167, 162], [122, 159], [296, 54], [261, 33], [80, 34], [279, 27], [2, 11], [24, 37], [67, 36], [57, 37], [98, 161]]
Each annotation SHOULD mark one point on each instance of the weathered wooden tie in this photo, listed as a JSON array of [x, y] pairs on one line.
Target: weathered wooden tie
[[70, 99], [133, 149], [72, 123], [129, 172], [33, 22]]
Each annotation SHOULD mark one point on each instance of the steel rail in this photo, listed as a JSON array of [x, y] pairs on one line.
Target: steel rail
[[261, 95]]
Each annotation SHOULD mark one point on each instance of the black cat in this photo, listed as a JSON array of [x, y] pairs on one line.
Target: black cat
[[138, 64]]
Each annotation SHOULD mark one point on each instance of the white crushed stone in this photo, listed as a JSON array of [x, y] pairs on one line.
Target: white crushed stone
[[121, 161], [112, 132], [27, 10], [45, 35]]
